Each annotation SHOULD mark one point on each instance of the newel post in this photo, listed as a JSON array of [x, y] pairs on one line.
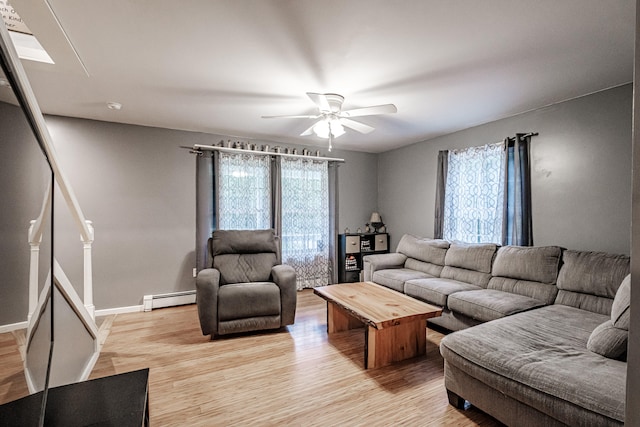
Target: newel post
[[34, 244], [88, 272]]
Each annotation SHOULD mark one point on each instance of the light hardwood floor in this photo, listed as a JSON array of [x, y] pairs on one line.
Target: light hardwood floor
[[298, 376], [12, 382]]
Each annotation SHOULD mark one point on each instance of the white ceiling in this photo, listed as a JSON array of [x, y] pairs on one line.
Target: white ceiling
[[216, 66]]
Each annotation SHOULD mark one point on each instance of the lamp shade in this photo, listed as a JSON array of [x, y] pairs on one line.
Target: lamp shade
[[336, 128], [375, 217], [325, 127], [322, 129]]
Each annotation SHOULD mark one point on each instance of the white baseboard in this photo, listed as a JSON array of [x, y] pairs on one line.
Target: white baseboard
[[151, 302], [119, 310], [13, 327], [104, 312]]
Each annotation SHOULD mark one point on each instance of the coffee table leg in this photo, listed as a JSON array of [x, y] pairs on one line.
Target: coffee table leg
[[339, 320], [400, 342]]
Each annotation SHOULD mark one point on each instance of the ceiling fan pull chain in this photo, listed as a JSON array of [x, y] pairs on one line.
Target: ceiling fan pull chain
[[330, 138]]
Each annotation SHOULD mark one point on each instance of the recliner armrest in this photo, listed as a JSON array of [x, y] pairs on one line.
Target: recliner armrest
[[207, 286], [285, 277], [372, 263]]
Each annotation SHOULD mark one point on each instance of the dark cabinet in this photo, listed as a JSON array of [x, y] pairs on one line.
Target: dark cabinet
[[351, 249]]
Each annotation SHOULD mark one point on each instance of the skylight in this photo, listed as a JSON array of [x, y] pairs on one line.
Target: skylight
[[27, 46]]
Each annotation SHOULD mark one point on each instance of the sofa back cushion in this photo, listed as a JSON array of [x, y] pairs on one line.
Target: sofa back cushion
[[611, 337], [244, 255], [590, 280], [527, 270], [621, 308], [469, 263], [244, 268], [423, 254], [243, 242]]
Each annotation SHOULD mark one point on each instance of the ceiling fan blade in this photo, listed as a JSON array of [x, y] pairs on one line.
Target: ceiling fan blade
[[309, 131], [292, 117], [320, 100], [369, 111], [357, 126]]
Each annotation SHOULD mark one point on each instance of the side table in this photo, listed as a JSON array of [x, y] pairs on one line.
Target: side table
[[118, 400]]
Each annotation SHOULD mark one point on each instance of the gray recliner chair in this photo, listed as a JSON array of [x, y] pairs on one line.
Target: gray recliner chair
[[246, 287]]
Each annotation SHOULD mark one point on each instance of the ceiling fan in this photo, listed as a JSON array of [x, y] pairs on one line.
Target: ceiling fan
[[333, 120]]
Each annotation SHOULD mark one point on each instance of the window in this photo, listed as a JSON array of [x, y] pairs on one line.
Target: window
[[244, 185], [305, 220], [474, 195], [477, 200]]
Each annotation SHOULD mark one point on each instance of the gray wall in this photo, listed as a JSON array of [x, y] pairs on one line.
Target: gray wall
[[581, 173], [138, 187], [24, 178]]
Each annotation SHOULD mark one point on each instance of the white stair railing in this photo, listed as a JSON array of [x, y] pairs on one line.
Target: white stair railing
[[35, 238], [88, 271], [70, 349], [36, 120]]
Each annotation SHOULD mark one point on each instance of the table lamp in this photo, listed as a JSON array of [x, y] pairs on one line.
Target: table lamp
[[376, 221]]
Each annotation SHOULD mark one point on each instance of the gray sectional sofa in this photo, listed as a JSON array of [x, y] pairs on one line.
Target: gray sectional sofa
[[541, 331]]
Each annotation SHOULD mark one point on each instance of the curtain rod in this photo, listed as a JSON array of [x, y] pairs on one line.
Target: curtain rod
[[525, 135], [198, 148]]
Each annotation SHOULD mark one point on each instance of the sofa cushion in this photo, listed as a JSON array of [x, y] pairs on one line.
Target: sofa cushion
[[547, 367], [394, 278], [436, 290], [244, 300], [489, 304], [610, 338], [424, 267], [422, 249], [534, 264], [243, 241], [609, 341], [541, 291], [478, 257], [527, 271], [589, 280], [241, 268], [620, 309], [469, 263]]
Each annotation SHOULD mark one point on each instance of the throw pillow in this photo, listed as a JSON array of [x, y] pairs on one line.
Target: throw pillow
[[620, 311], [609, 341]]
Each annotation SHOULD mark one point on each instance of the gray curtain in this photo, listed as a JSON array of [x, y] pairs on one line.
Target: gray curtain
[[204, 206], [517, 228], [441, 182], [333, 220], [276, 198]]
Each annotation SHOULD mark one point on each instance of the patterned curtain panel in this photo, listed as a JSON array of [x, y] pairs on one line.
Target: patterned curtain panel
[[305, 220], [474, 196], [244, 198]]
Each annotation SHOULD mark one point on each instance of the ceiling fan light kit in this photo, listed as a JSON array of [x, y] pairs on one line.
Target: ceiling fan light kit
[[332, 120], [325, 127]]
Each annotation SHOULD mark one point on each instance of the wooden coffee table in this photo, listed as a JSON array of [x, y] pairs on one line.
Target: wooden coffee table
[[395, 323]]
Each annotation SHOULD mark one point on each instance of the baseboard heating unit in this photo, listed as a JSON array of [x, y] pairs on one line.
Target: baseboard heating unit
[[171, 299]]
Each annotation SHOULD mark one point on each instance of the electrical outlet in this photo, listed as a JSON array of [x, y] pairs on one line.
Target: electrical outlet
[[195, 272]]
